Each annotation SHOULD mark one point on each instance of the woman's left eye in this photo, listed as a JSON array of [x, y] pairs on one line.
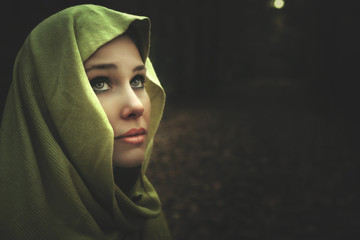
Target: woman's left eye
[[100, 84], [138, 81]]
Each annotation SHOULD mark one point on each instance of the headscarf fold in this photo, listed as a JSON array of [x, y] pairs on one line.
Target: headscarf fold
[[56, 143]]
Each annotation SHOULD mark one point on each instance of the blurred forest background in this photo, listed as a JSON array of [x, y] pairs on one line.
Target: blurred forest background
[[259, 138]]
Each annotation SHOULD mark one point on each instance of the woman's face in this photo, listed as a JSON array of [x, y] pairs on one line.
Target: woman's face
[[117, 74]]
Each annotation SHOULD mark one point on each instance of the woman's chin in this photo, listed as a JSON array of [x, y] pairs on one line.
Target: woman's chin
[[131, 159]]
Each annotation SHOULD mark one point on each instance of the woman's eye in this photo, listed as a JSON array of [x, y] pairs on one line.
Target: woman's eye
[[100, 84], [138, 81]]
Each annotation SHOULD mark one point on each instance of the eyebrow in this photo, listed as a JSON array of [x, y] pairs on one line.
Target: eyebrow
[[101, 66], [139, 68], [112, 66]]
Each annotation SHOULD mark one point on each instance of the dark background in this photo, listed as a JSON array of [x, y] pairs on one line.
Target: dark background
[[260, 133]]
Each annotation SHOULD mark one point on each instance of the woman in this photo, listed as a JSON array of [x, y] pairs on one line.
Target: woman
[[77, 131]]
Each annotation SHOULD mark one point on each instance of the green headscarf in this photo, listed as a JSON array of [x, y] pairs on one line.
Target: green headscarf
[[56, 143]]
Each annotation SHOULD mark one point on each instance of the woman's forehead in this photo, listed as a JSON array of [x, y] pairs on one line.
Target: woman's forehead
[[115, 49]]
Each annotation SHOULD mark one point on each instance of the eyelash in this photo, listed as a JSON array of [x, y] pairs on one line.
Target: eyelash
[[139, 77], [106, 80], [99, 79]]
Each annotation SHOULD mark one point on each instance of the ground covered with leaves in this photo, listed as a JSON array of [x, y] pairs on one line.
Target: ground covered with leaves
[[265, 170]]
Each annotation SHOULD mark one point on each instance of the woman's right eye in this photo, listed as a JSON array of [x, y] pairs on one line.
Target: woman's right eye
[[100, 84]]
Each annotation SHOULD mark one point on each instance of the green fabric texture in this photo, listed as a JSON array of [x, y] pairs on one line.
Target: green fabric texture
[[56, 143]]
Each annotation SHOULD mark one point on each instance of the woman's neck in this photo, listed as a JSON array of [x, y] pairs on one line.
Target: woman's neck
[[126, 178]]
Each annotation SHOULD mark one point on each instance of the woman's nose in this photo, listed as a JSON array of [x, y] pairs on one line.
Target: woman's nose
[[133, 107]]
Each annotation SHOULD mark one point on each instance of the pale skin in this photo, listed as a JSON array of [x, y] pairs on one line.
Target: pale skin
[[117, 73]]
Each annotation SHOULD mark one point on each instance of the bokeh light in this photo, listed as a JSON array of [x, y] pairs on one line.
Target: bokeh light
[[278, 4]]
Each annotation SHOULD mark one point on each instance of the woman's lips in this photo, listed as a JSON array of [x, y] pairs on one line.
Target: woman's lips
[[133, 136]]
